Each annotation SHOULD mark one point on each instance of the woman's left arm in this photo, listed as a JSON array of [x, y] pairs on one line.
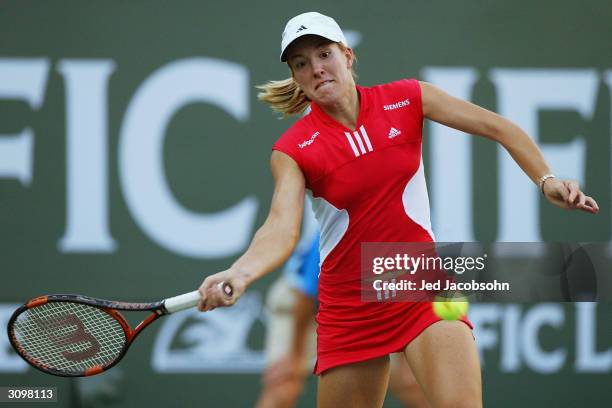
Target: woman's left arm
[[469, 118]]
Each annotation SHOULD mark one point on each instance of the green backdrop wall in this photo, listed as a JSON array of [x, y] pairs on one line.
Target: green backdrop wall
[[134, 162]]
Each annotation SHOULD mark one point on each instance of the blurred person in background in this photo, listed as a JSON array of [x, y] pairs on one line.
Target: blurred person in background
[[290, 334]]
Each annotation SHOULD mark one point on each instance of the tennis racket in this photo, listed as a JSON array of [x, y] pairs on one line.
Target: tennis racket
[[77, 336]]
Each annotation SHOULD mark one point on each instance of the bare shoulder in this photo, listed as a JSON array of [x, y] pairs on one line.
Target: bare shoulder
[[284, 165], [430, 96], [280, 159]]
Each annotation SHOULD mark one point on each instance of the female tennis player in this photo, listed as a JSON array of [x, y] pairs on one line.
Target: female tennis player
[[359, 152]]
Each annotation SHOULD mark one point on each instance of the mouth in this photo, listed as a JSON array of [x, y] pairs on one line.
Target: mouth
[[329, 81]]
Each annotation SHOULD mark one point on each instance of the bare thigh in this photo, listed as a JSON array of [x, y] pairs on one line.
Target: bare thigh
[[357, 385], [445, 362], [403, 385]]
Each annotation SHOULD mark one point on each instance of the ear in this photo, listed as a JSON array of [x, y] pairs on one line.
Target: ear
[[348, 53]]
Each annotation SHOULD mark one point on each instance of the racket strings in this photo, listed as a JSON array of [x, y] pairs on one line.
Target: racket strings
[[69, 337]]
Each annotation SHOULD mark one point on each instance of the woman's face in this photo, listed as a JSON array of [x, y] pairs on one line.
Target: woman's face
[[321, 68]]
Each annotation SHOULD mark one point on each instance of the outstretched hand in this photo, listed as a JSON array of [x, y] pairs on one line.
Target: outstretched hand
[[567, 194]]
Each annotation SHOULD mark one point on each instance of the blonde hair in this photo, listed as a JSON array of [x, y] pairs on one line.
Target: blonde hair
[[286, 97]]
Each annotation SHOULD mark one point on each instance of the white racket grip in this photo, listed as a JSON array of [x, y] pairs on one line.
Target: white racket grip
[[182, 302]]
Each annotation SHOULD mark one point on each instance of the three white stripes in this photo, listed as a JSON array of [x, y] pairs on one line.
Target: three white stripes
[[361, 132]]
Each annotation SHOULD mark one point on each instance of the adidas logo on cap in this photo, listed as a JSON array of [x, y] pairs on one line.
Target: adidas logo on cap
[[301, 28], [393, 132]]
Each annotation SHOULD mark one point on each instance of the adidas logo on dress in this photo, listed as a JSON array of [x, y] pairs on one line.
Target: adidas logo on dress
[[393, 132]]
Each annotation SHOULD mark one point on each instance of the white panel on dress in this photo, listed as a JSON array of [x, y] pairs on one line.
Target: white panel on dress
[[416, 200], [333, 223]]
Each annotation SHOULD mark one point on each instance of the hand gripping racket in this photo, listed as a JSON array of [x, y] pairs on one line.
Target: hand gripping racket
[[77, 336]]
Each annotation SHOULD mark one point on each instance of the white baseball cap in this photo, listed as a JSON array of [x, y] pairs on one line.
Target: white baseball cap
[[310, 23]]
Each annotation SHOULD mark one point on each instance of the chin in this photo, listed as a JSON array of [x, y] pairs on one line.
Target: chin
[[327, 97]]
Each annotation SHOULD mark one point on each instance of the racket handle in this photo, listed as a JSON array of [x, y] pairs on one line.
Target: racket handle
[[191, 299], [182, 302]]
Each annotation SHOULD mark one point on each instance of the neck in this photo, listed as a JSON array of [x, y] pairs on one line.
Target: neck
[[345, 110]]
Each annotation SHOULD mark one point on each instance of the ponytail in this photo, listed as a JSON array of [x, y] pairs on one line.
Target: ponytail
[[284, 96]]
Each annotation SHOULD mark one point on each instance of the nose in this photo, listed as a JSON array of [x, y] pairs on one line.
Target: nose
[[317, 69]]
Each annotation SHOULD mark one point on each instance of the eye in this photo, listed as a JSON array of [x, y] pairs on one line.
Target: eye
[[298, 64], [325, 54]]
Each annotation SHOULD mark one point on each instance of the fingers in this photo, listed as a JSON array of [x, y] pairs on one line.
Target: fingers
[[214, 293], [589, 205], [213, 298], [572, 198], [202, 302], [574, 192], [578, 200], [590, 201], [207, 301]]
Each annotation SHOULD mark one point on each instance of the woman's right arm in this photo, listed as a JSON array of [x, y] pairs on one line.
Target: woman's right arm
[[272, 243]]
